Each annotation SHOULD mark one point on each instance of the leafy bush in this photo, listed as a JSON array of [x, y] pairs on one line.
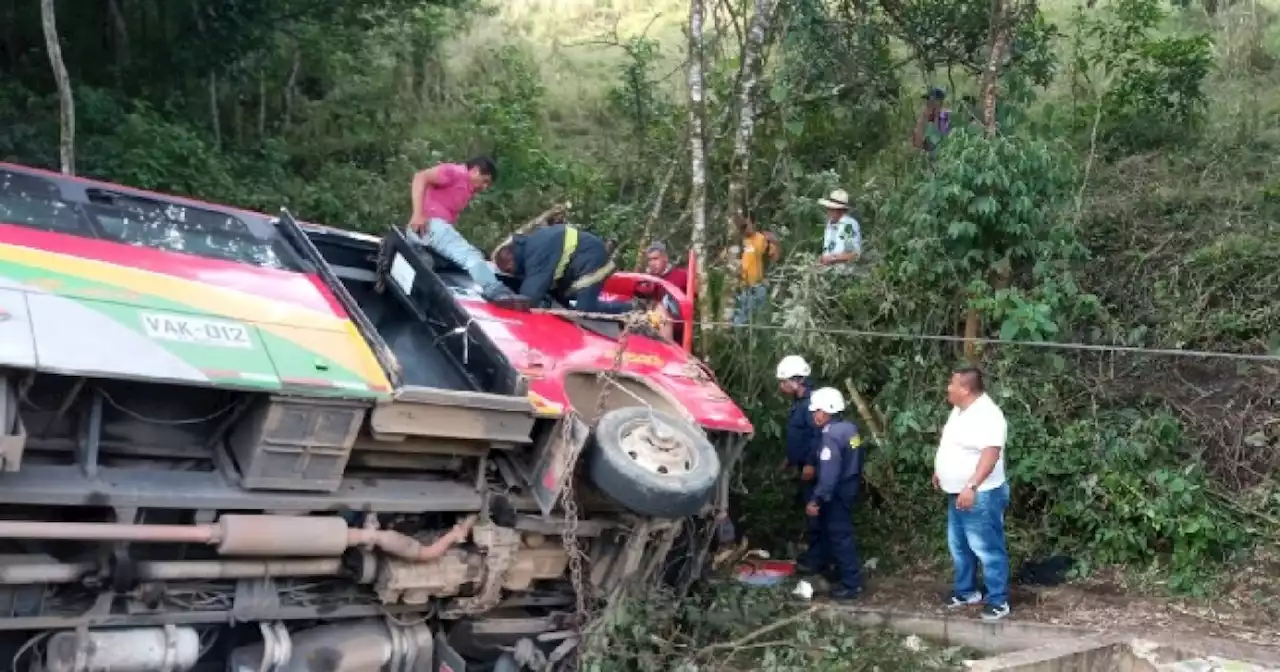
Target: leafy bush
[[750, 628], [1151, 86]]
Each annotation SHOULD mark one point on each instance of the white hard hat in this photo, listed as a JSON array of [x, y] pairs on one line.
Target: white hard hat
[[792, 366], [827, 399]]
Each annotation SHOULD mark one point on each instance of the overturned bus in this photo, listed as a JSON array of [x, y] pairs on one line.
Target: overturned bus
[[229, 439]]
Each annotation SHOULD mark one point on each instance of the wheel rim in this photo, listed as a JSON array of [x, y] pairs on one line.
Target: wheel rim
[[658, 448]]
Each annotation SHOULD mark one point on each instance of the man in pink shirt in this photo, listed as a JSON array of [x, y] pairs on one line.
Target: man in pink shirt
[[439, 195]]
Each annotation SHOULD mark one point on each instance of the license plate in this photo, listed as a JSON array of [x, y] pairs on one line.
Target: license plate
[[197, 331]]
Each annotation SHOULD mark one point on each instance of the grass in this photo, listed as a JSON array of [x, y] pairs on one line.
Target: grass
[[572, 41], [569, 40]]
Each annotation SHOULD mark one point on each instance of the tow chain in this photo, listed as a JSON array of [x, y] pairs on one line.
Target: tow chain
[[584, 615], [637, 320], [383, 269]]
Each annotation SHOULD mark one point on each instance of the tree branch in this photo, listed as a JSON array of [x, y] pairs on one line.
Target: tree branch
[[759, 632]]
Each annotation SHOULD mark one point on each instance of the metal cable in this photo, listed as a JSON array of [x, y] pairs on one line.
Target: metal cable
[[945, 338]]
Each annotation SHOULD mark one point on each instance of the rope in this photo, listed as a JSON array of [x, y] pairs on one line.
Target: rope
[[943, 338]]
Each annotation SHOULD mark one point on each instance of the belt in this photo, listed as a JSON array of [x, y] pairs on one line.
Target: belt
[[566, 253]]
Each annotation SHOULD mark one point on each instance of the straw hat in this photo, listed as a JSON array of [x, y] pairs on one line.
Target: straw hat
[[838, 200]]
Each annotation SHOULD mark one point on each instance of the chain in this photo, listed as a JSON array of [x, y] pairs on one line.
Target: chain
[[570, 540], [634, 320], [569, 537], [385, 253]]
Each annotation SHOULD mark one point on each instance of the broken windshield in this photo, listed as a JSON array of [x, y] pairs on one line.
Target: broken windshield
[[37, 202]]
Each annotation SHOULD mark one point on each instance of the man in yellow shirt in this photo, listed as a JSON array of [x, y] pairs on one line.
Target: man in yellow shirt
[[756, 247]]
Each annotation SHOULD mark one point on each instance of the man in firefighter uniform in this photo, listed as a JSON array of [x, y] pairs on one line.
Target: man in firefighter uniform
[[802, 443], [838, 462]]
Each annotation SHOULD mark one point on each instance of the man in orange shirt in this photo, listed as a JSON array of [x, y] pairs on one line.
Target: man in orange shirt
[[756, 247]]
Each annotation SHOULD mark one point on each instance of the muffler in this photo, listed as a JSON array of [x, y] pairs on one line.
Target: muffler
[[351, 646]]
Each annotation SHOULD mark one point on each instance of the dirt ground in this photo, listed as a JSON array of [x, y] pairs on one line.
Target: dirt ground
[[1248, 611], [1244, 608]]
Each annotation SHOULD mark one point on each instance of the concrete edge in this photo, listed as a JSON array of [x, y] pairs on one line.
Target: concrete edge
[[1026, 642], [1096, 652], [1218, 647], [1004, 636], [1099, 652]]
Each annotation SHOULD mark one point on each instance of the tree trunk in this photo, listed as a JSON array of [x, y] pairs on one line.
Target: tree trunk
[[654, 212], [213, 110], [290, 86], [997, 41], [698, 151], [262, 103], [66, 104], [748, 78], [121, 27]]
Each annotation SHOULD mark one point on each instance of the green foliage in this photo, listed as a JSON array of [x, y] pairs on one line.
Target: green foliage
[[328, 108], [946, 34], [655, 633], [1151, 85], [990, 221], [821, 120]]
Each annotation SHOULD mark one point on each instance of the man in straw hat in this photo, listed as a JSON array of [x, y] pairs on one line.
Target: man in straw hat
[[560, 261], [842, 239]]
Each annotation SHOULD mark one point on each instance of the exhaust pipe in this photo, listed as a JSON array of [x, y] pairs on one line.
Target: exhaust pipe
[[247, 535], [167, 649], [353, 646], [177, 570]]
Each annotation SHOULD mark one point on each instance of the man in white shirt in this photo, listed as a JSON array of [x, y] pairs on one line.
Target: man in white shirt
[[842, 237], [969, 467]]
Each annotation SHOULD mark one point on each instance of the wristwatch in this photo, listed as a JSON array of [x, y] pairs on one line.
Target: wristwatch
[[971, 486]]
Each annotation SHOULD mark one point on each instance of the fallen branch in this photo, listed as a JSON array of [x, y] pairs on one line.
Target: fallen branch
[[759, 632], [864, 410], [654, 213], [791, 644], [1214, 619], [1235, 506], [544, 218]]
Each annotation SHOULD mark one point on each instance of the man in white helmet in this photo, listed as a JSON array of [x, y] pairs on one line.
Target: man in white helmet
[[801, 439], [839, 466]]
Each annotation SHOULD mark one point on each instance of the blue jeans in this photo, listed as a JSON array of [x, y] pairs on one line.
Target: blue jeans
[[748, 300], [977, 535], [443, 239]]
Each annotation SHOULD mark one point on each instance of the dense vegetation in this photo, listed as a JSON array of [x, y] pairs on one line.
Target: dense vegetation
[[1129, 197]]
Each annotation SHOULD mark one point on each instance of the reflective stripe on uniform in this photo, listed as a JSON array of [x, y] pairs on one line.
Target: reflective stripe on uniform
[[593, 277], [570, 246], [566, 253]]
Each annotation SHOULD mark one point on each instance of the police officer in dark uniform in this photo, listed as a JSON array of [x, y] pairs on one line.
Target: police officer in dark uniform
[[802, 440], [839, 467]]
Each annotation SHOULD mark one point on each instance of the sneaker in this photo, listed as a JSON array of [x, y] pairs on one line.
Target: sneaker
[[500, 295], [995, 612], [959, 601], [845, 594]]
